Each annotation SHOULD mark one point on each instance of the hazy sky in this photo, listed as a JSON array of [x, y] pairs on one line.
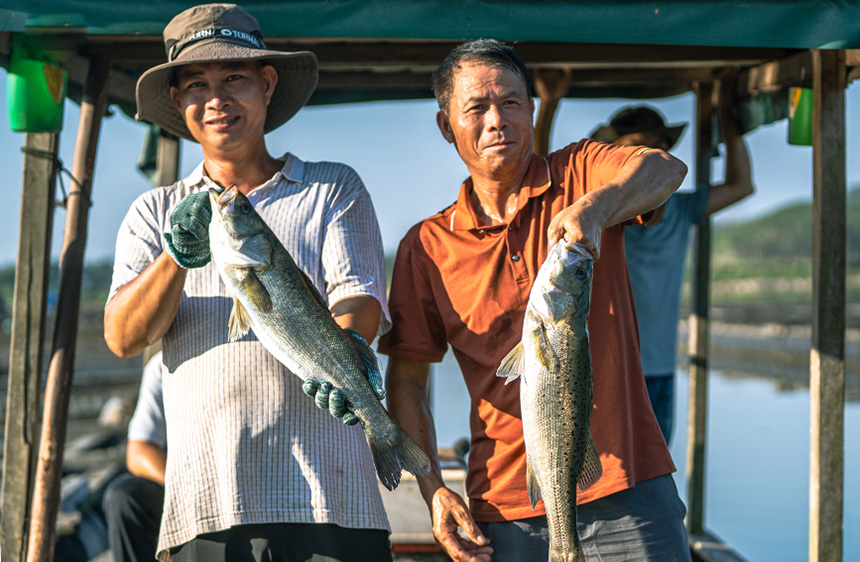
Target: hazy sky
[[409, 169]]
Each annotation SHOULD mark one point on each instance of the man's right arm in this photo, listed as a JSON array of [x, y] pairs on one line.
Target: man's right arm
[[140, 313], [738, 182], [406, 382]]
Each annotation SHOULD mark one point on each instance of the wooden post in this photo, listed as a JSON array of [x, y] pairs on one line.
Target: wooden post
[[827, 358], [28, 336], [46, 492], [699, 329], [551, 85]]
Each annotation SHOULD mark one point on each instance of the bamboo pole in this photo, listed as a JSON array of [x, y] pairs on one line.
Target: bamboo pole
[[699, 328], [28, 335], [49, 463], [827, 358]]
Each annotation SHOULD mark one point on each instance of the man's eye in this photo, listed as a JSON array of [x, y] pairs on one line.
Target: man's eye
[[233, 77]]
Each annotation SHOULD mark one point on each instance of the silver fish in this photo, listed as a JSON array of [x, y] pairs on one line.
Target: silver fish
[[553, 363], [288, 315]]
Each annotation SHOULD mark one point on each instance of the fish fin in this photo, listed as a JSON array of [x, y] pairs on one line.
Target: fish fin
[[254, 252], [392, 455], [532, 484], [513, 364], [543, 350], [592, 470], [239, 323], [256, 291], [368, 359]]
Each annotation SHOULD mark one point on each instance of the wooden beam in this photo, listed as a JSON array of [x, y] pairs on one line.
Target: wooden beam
[[46, 491], [794, 70], [28, 336], [827, 358], [699, 326]]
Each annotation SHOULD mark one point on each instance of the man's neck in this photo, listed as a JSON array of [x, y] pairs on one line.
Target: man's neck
[[495, 202], [245, 173]]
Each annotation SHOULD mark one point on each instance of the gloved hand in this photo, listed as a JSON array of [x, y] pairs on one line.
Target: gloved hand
[[188, 239], [329, 397]]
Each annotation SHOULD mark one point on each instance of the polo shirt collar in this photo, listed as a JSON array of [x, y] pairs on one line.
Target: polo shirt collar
[[292, 171], [535, 183]]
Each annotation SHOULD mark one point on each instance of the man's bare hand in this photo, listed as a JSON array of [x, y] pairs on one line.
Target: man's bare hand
[[580, 224], [552, 83], [449, 513]]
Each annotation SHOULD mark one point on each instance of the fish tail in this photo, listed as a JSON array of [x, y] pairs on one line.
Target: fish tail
[[396, 453]]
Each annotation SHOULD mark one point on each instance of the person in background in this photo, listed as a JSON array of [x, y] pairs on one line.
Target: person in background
[[656, 254], [462, 279], [133, 501], [255, 470]]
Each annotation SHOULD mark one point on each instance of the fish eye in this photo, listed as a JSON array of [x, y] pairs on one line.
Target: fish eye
[[246, 208], [581, 274]]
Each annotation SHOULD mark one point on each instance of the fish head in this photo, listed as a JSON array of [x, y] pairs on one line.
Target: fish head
[[562, 288], [238, 236], [234, 212]]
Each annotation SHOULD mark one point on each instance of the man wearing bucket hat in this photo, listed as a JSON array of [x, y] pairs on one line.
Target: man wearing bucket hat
[[256, 471], [656, 254]]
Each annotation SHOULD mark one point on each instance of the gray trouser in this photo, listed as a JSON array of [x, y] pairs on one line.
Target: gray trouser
[[645, 522]]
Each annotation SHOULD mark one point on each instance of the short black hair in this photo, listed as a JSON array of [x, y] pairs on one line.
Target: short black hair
[[487, 52]]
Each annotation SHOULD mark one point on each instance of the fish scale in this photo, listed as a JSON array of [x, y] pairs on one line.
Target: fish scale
[[553, 363], [276, 299]]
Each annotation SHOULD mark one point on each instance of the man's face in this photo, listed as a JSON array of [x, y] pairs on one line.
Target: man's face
[[489, 120], [224, 104], [651, 140]]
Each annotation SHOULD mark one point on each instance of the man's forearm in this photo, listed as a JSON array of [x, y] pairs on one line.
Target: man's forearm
[[359, 313], [142, 311], [146, 460], [644, 183], [406, 385]]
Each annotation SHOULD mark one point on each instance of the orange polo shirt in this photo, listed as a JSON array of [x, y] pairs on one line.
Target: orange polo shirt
[[459, 283]]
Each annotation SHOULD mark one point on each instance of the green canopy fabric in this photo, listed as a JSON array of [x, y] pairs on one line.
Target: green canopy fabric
[[801, 24]]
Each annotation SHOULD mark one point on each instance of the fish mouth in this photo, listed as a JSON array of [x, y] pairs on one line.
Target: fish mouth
[[223, 197]]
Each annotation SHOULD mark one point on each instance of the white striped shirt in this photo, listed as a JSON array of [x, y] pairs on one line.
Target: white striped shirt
[[246, 445]]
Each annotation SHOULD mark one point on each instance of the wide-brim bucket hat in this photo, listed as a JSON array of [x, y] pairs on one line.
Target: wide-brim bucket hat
[[222, 33], [639, 119]]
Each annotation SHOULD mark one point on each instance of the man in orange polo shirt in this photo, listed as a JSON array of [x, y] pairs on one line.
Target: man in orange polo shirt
[[462, 278]]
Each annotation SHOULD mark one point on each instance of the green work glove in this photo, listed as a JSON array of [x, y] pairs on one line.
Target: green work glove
[[328, 397], [188, 239]]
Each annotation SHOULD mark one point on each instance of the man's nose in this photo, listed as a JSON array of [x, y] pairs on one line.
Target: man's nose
[[495, 118], [218, 97]]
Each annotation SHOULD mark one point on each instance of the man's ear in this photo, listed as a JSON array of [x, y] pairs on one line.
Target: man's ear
[[444, 126], [174, 95], [270, 78]]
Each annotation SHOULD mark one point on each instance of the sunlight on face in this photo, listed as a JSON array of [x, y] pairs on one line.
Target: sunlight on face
[[224, 104], [489, 120]]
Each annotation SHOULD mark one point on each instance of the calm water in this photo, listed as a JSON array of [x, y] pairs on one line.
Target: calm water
[[757, 470]]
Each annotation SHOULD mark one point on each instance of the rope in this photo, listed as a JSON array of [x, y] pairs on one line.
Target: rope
[[59, 163]]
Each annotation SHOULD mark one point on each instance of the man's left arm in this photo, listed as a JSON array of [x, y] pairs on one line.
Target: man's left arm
[[359, 313], [644, 183]]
